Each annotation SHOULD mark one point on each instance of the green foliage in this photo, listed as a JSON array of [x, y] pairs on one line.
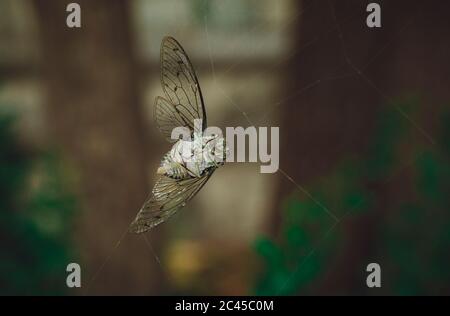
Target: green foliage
[[35, 217], [294, 263], [414, 236], [418, 234]]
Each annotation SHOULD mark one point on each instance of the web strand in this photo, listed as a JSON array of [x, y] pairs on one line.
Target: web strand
[[370, 82], [108, 258], [151, 249]]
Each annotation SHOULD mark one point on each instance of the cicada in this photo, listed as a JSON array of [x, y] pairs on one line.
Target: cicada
[[186, 168]]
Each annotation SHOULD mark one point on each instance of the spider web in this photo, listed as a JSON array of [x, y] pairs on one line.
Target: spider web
[[351, 71]]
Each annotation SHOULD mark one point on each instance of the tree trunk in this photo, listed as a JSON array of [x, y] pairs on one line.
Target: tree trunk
[[329, 109], [334, 118], [94, 115]]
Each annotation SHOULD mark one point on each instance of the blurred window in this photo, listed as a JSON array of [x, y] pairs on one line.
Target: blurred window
[[235, 29]]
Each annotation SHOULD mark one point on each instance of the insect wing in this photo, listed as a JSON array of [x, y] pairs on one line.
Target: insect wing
[[184, 101], [167, 118], [168, 196]]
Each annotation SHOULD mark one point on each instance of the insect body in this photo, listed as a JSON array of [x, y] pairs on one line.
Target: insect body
[[190, 163], [193, 158]]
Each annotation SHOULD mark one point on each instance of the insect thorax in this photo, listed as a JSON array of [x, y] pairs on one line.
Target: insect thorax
[[194, 157]]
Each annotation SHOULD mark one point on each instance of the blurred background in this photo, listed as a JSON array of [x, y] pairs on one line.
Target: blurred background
[[364, 148]]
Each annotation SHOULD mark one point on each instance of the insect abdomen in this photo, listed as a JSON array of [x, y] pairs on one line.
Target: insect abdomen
[[172, 169]]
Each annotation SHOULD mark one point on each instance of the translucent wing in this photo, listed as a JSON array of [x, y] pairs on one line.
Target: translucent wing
[[167, 118], [168, 196], [184, 101]]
